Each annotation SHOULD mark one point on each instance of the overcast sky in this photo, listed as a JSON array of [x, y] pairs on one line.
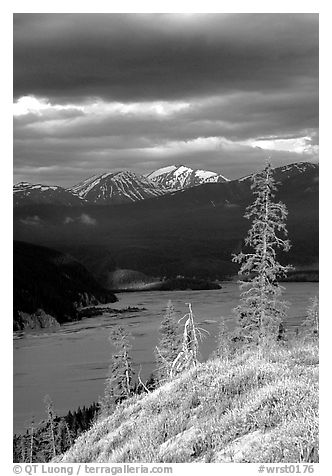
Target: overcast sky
[[96, 93]]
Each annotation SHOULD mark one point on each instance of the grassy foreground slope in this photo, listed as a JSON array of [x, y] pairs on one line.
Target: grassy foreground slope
[[247, 409]]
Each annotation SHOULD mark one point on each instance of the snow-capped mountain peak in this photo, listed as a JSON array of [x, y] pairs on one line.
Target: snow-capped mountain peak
[[178, 177], [118, 187]]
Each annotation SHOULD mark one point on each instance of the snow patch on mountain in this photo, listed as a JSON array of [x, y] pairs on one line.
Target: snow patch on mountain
[[288, 170], [298, 167], [163, 170], [205, 174]]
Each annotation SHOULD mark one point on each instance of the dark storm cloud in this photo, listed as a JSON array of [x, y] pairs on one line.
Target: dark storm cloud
[[141, 91], [77, 165], [160, 56]]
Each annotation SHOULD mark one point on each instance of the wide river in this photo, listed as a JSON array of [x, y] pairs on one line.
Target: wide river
[[70, 364]]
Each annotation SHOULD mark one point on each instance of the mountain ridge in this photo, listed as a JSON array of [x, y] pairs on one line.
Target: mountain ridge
[[192, 232], [113, 188]]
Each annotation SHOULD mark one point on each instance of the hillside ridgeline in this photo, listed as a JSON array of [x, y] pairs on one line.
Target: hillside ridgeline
[[248, 408]]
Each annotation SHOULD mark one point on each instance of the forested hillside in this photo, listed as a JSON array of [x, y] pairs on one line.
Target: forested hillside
[[49, 282]]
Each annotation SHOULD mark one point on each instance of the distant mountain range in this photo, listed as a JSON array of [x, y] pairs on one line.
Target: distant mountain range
[[27, 194], [115, 187], [191, 232]]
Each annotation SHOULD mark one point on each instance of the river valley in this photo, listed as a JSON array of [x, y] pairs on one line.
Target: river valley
[[71, 362]]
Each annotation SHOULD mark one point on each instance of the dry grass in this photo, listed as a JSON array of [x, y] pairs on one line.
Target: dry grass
[[248, 409]]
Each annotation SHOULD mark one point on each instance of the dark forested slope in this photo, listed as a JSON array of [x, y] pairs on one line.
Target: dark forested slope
[[57, 284]]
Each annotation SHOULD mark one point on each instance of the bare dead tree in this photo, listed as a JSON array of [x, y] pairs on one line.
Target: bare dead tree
[[140, 380], [188, 356]]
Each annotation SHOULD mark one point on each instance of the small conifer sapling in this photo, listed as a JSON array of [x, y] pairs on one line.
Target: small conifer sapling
[[311, 322], [51, 415], [169, 344], [119, 383]]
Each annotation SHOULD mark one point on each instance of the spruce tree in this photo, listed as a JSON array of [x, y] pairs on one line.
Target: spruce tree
[[51, 423], [169, 344], [311, 322], [23, 450], [261, 311], [119, 383], [32, 440]]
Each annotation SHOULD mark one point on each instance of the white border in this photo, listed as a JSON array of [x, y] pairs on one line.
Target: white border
[[170, 6]]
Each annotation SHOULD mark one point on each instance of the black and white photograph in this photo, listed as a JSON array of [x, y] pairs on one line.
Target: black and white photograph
[[166, 240]]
